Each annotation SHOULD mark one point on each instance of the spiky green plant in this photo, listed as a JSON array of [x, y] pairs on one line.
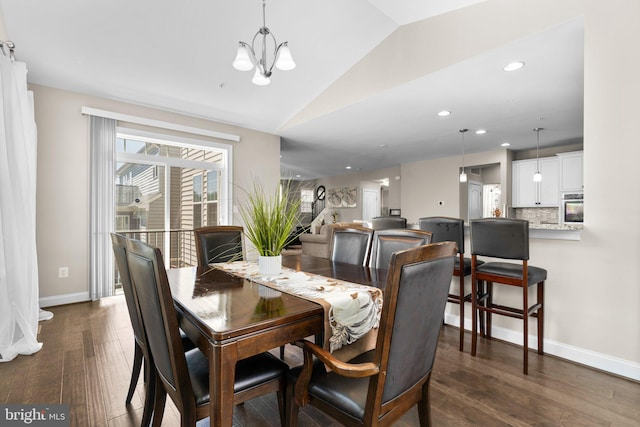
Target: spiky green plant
[[270, 221]]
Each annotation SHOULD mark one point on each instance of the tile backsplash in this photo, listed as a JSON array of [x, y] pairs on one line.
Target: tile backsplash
[[537, 215]]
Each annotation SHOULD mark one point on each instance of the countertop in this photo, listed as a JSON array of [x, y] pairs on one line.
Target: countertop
[[541, 231]]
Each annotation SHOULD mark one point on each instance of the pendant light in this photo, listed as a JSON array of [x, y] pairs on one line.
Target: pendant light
[[463, 175], [537, 177]]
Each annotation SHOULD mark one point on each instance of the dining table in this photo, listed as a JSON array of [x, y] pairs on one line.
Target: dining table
[[231, 317]]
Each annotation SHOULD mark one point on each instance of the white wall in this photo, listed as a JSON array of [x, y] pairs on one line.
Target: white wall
[[63, 180]]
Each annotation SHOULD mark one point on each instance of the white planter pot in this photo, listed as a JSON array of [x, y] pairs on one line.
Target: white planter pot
[[270, 265]]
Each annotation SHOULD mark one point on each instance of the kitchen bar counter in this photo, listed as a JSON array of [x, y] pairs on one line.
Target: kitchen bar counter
[[555, 231], [540, 231]]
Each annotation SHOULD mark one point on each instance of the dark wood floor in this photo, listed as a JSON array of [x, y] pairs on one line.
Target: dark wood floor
[[88, 350]]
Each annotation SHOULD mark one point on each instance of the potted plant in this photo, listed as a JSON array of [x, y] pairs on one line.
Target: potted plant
[[270, 223]]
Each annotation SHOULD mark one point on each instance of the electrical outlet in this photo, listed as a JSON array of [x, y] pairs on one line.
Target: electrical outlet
[[63, 272]]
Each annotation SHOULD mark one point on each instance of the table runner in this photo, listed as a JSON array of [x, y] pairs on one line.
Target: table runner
[[352, 310]]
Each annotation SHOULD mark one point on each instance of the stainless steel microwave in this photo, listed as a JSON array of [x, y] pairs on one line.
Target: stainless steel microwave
[[572, 208]]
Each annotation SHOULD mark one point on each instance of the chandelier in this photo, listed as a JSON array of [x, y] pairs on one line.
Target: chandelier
[[246, 57]]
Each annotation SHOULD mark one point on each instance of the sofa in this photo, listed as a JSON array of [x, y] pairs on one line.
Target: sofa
[[319, 245]]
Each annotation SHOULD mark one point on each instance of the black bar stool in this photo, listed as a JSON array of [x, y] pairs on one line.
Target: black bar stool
[[507, 239]]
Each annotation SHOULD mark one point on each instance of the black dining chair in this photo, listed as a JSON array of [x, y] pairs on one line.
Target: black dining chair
[[351, 245], [386, 242], [141, 355], [388, 222], [185, 376], [505, 238], [445, 229], [219, 243], [379, 386]]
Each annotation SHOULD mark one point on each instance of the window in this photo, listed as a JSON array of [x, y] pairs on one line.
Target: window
[[306, 199], [167, 186], [212, 198], [197, 201]]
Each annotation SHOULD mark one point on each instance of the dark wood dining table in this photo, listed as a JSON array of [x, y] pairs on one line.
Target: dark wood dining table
[[226, 317]]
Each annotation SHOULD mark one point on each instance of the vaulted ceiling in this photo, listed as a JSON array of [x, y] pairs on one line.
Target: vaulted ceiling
[[354, 98]]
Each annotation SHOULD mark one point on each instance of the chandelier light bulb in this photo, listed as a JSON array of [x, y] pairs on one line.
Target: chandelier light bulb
[[243, 60], [260, 79], [463, 176], [285, 60]]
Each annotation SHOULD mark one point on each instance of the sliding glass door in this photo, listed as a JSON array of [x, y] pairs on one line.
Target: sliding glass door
[[166, 188]]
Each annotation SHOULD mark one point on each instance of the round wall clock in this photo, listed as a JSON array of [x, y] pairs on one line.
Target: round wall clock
[[320, 192]]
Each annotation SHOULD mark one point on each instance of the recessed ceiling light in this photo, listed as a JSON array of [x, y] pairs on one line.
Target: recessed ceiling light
[[444, 113], [505, 144], [298, 176], [514, 66], [348, 167], [481, 132]]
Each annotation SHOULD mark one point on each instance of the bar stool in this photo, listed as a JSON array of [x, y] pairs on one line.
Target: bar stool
[[507, 239], [445, 229]]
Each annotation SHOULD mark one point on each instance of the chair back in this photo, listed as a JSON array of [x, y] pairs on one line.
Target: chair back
[[388, 222], [500, 238], [221, 243], [119, 243], [413, 310], [386, 242], [160, 321], [444, 229], [351, 245]]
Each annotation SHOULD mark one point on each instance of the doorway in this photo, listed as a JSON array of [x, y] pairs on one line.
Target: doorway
[[475, 200]]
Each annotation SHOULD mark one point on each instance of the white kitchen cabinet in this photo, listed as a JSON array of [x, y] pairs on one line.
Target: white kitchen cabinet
[[571, 171], [526, 192]]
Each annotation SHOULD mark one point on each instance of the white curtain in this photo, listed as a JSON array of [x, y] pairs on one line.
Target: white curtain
[[18, 259], [103, 141]]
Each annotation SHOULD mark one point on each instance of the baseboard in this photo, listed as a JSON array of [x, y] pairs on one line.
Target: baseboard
[[580, 355], [64, 299]]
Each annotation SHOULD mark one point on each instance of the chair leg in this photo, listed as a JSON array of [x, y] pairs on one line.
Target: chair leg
[[525, 318], [159, 398], [282, 405], [291, 407], [461, 300], [488, 303], [135, 371], [424, 406], [541, 317], [474, 315], [281, 352], [149, 398]]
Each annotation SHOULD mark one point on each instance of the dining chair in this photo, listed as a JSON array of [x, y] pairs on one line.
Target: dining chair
[[351, 245], [386, 242], [219, 243], [379, 386], [445, 229], [185, 376], [141, 355], [388, 222], [505, 238]]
